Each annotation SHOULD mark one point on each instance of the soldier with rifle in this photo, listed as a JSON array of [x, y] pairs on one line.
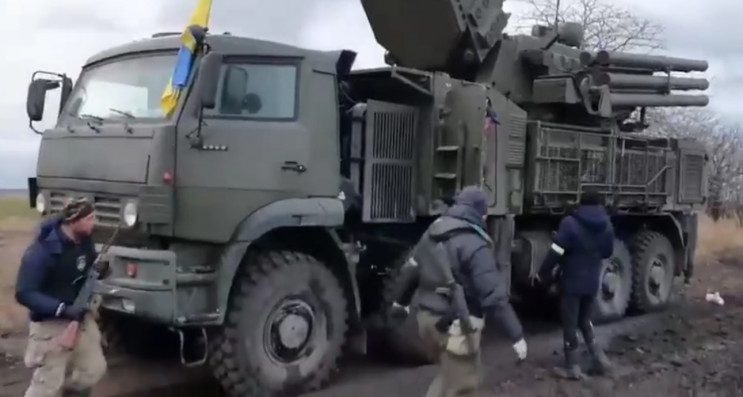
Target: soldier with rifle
[[55, 283], [452, 278]]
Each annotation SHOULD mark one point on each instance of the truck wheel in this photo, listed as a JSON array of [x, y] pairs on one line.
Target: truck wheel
[[653, 261], [616, 285], [397, 342], [284, 329]]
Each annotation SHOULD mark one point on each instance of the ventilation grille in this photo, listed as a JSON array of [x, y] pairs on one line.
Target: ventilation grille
[[692, 178], [389, 162], [516, 141]]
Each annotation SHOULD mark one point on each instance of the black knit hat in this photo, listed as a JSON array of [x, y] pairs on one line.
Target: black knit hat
[[76, 209]]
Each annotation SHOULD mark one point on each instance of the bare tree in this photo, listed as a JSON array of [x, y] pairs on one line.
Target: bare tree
[[607, 26]]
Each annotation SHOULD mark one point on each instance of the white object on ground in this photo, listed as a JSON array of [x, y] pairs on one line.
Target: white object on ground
[[715, 298]]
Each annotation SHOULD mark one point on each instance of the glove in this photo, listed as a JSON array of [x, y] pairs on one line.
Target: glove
[[74, 313], [520, 349]]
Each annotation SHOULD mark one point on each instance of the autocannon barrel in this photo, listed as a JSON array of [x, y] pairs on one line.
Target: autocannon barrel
[[635, 81], [650, 62], [657, 100]]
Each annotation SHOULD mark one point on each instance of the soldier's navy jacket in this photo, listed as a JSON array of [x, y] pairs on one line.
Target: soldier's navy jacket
[[475, 269], [583, 240], [52, 271]]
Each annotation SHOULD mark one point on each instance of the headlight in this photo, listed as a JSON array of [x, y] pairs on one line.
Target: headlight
[[40, 203], [130, 214]]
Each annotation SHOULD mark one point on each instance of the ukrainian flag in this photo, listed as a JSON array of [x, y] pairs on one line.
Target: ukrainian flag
[[191, 38]]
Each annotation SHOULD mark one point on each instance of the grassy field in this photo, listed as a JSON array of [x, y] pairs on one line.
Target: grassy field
[[15, 214], [16, 223]]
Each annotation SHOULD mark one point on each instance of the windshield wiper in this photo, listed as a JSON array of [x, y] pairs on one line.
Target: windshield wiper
[[97, 119], [92, 117], [123, 113]]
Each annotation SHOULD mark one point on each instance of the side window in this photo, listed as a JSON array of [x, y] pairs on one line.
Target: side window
[[262, 91]]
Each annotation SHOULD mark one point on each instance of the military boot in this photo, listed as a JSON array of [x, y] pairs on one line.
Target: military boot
[[572, 368], [600, 364]]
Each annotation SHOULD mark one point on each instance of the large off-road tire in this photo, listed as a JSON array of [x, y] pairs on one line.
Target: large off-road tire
[[653, 263], [397, 341], [615, 286], [284, 329]]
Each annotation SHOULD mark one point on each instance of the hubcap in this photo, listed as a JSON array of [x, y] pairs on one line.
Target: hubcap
[[289, 328], [657, 276], [610, 284], [611, 279]]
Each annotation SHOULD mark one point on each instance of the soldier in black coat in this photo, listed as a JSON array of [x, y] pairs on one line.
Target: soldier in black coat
[[584, 239], [459, 238]]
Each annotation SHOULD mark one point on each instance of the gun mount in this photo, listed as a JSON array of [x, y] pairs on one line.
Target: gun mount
[[546, 73]]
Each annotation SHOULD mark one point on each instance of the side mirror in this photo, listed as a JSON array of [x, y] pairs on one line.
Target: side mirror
[[37, 97], [208, 79]]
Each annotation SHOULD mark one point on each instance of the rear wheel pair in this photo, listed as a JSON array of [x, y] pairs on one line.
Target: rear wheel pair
[[639, 278]]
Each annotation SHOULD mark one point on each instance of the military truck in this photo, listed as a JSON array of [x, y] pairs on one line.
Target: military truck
[[264, 220]]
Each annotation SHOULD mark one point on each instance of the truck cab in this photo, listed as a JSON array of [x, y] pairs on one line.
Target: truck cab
[[269, 133]]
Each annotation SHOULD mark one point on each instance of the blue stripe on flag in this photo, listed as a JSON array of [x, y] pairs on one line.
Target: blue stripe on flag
[[182, 67]]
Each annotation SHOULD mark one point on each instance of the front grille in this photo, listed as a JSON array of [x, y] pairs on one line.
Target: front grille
[[108, 208]]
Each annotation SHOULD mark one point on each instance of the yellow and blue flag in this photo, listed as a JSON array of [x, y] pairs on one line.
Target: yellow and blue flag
[[191, 38]]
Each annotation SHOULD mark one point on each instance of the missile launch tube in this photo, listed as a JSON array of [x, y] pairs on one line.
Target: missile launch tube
[[655, 63], [634, 81], [652, 62], [655, 100]]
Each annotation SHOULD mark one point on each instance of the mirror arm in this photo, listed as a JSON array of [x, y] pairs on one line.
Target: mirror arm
[[31, 126]]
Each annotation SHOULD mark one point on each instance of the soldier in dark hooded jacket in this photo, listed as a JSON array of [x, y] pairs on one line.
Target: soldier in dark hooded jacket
[[467, 249], [584, 239]]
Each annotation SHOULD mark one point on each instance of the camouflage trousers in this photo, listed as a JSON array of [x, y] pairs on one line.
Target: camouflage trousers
[[57, 368], [458, 374]]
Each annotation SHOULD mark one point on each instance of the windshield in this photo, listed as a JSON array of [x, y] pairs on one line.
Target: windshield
[[129, 88]]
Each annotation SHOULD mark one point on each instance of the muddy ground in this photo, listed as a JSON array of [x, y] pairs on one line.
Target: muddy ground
[[693, 349]]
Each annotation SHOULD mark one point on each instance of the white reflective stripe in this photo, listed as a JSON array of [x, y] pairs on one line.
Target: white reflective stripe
[[412, 262], [558, 249]]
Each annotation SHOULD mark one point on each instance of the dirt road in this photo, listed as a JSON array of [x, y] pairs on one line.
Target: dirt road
[[693, 349]]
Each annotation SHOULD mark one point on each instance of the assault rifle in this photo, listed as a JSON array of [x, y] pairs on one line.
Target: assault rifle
[[68, 338]]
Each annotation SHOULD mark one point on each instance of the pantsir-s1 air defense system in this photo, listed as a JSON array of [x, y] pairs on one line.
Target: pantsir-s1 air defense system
[[267, 215]]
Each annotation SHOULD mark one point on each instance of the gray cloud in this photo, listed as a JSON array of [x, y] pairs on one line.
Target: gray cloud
[[279, 20], [60, 16]]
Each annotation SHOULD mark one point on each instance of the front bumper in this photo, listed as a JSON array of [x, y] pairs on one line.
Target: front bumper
[[149, 284]]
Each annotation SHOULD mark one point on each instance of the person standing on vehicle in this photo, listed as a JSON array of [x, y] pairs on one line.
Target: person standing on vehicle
[[467, 250], [583, 240], [52, 272]]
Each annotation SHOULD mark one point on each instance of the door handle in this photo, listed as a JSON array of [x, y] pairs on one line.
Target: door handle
[[293, 166]]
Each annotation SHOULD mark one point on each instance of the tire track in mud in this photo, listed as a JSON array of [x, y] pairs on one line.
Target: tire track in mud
[[671, 353], [643, 346]]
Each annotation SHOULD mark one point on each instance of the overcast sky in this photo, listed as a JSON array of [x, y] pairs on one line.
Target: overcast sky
[[60, 35]]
